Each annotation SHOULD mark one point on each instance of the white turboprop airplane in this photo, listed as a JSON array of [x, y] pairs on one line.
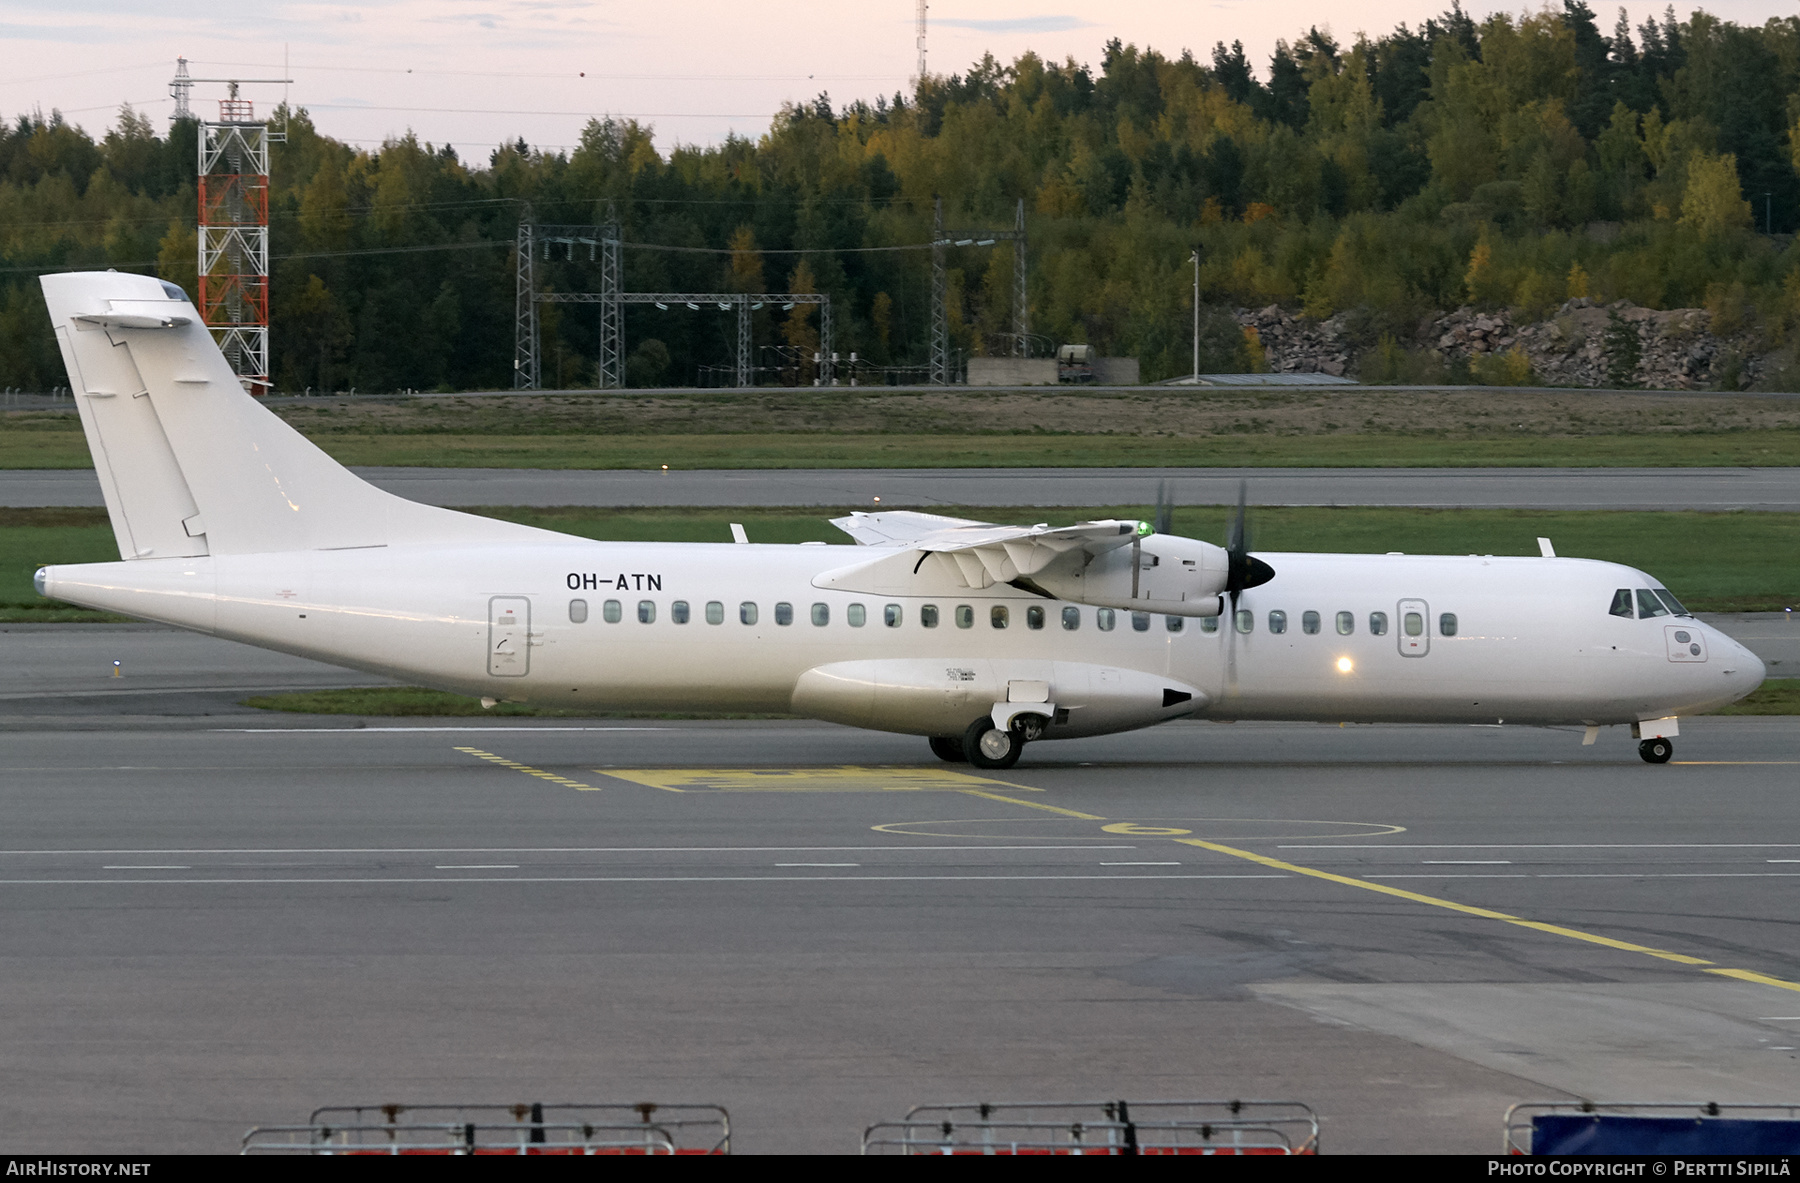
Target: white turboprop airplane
[[981, 637]]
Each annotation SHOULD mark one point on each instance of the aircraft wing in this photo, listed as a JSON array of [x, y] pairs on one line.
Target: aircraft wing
[[983, 554], [898, 527]]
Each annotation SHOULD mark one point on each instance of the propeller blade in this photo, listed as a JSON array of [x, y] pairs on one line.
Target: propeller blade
[[1242, 570], [1165, 510]]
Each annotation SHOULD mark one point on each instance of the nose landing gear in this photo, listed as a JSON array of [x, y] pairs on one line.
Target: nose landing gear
[[1656, 751]]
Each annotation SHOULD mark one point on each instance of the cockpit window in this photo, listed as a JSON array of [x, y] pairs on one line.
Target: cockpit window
[[1621, 605], [1649, 605], [1662, 593]]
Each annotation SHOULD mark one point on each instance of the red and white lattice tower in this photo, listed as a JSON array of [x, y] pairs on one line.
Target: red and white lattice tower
[[234, 236]]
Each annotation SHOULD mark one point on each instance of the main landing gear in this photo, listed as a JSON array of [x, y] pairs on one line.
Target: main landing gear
[[949, 749], [983, 745], [1656, 751]]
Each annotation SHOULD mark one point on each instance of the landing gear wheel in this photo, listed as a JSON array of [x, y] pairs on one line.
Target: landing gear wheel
[[949, 749], [1656, 751], [991, 747]]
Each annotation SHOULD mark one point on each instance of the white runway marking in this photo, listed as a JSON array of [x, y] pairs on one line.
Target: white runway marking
[[390, 730], [364, 881], [1560, 846], [1605, 875], [554, 849]]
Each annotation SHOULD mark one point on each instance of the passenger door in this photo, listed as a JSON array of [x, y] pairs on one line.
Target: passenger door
[[1412, 621], [509, 636]]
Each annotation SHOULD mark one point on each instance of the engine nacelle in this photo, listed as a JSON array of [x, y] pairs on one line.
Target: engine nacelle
[[1160, 573]]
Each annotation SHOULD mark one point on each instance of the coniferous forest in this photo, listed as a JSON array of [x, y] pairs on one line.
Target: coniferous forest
[[1511, 163]]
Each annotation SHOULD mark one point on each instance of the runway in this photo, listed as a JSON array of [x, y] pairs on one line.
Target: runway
[[214, 918], [1713, 489]]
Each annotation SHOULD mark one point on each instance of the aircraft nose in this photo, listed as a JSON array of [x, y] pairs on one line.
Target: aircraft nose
[[1744, 664]]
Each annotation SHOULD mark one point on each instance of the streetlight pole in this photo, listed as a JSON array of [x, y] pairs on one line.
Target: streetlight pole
[[1196, 313]]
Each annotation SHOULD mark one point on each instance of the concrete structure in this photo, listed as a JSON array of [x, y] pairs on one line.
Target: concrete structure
[[1041, 371], [1116, 371], [1012, 371]]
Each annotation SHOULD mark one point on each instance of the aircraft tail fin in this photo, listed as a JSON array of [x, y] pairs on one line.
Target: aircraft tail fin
[[192, 465]]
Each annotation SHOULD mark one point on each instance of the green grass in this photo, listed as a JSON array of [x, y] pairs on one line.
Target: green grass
[[1753, 448], [414, 701], [1716, 562]]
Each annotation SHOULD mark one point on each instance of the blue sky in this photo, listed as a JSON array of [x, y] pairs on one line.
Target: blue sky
[[478, 72]]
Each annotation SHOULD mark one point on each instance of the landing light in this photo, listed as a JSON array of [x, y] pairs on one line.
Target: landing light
[[1345, 665]]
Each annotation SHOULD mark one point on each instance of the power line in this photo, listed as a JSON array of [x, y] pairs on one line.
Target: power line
[[577, 114], [577, 75], [808, 250]]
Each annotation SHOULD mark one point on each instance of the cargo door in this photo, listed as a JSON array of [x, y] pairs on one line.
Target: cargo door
[[509, 636], [1414, 632]]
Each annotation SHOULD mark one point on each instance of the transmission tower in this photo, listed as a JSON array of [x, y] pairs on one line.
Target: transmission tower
[[941, 242], [234, 226], [921, 39], [940, 284], [525, 313], [180, 87]]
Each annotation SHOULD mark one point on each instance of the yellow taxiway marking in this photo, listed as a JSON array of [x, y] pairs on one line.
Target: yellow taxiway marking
[[1490, 914], [1762, 979], [528, 770], [1086, 817], [844, 778]]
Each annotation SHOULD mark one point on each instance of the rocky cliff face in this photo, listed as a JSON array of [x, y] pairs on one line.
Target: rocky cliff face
[[1581, 344]]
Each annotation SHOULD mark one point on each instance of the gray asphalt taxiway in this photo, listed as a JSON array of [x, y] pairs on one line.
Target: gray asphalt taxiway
[[213, 917], [1713, 489]]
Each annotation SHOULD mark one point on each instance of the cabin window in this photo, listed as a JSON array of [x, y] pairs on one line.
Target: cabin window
[[821, 614], [678, 612], [891, 615], [1071, 619], [1662, 593], [1649, 605], [856, 614], [612, 612], [1104, 619], [1278, 622], [1309, 623], [1346, 623], [997, 616], [577, 611], [1447, 624], [928, 615], [784, 614], [1621, 605], [747, 612], [965, 616], [1174, 623], [1246, 621], [1140, 622], [715, 612], [646, 611], [1413, 623], [1034, 617], [1378, 624], [1209, 624]]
